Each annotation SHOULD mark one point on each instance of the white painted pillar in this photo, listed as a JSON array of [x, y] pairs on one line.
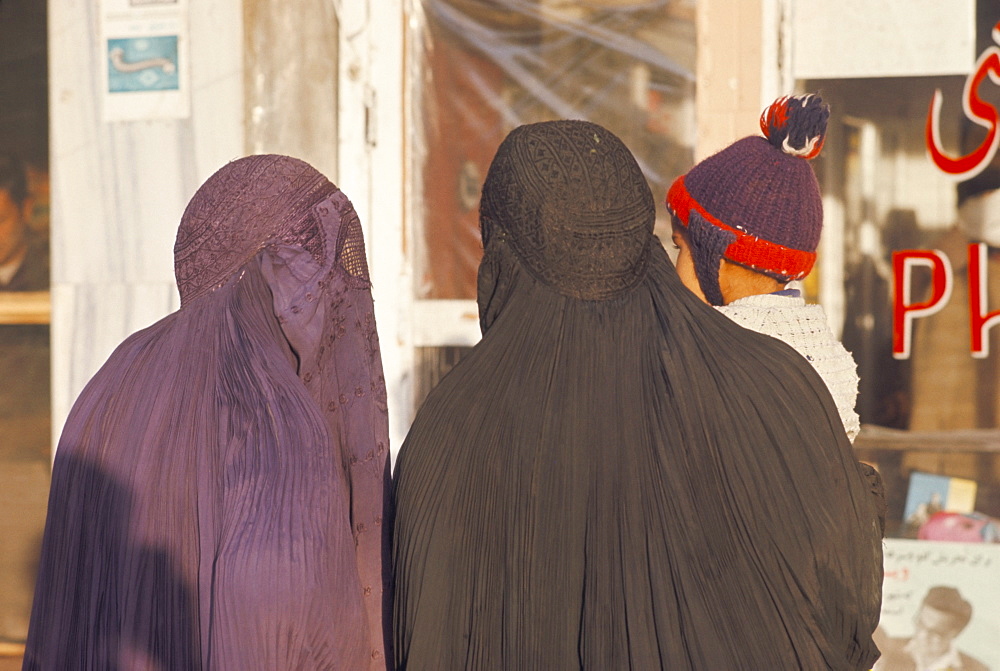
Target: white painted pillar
[[371, 120]]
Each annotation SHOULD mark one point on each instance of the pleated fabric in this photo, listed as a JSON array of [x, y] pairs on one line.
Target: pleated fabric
[[629, 482], [219, 496]]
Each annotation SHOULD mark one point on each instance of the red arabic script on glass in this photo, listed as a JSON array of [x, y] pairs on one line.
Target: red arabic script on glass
[[977, 111], [906, 308]]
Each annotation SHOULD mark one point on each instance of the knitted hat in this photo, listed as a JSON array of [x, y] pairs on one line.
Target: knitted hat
[[757, 202]]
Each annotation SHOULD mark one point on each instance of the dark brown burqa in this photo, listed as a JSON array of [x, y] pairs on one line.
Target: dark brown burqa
[[617, 476], [218, 491]]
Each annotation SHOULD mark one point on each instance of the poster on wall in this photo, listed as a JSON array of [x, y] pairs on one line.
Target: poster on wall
[[144, 60], [940, 606]]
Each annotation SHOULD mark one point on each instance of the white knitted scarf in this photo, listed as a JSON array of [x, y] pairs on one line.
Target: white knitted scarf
[[804, 327]]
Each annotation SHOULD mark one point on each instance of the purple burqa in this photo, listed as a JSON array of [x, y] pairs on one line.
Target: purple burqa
[[218, 495]]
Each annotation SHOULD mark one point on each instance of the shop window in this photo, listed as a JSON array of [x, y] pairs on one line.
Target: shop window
[[479, 69], [936, 411], [25, 425], [931, 414], [483, 68]]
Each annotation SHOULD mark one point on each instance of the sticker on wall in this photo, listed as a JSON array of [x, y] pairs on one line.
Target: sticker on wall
[[143, 64], [145, 70]]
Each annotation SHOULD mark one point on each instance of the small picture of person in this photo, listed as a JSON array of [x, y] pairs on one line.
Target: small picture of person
[[941, 617], [24, 256]]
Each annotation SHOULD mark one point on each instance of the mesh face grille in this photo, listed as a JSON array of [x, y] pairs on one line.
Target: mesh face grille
[[350, 241], [352, 248]]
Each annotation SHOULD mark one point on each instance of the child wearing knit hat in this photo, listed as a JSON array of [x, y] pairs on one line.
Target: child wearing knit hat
[[747, 221]]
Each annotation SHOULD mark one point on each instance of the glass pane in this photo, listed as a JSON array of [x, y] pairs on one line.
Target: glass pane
[[893, 198], [933, 412], [482, 68], [25, 433]]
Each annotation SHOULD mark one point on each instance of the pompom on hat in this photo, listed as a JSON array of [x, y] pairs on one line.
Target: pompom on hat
[[757, 202]]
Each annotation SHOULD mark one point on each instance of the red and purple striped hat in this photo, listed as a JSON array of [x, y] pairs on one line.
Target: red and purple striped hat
[[760, 193]]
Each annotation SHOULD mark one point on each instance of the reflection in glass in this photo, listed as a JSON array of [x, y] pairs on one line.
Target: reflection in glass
[[25, 441], [482, 68]]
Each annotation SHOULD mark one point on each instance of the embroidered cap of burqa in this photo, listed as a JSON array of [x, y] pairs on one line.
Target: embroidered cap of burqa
[[617, 476], [220, 485]]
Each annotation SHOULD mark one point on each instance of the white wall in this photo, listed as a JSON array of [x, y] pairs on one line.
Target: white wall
[[888, 38], [119, 188]]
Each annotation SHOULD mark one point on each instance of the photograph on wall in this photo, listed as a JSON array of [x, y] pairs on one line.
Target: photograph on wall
[[940, 606]]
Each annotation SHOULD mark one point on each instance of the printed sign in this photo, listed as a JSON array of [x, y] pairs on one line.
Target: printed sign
[[145, 69], [940, 606], [143, 64]]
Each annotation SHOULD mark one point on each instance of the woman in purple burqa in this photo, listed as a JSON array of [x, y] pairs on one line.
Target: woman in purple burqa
[[219, 495]]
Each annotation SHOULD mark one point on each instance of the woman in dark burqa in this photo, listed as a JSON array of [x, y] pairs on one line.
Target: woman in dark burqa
[[617, 476], [219, 489]]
